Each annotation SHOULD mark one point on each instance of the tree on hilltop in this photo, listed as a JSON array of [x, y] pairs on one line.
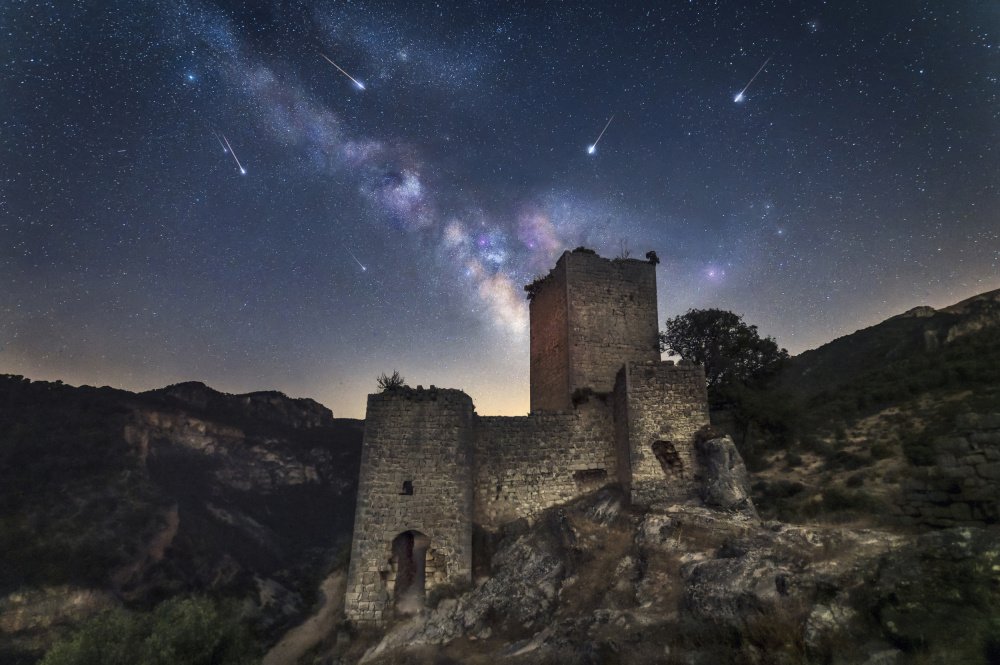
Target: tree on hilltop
[[730, 350], [738, 364]]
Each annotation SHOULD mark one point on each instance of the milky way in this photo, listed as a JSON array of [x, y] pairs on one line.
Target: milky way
[[854, 181]]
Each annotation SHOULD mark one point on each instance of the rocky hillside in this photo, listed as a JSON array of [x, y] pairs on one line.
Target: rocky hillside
[[597, 582], [116, 499], [910, 336]]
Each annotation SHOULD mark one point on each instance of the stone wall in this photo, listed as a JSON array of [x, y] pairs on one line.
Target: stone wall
[[612, 318], [525, 464], [962, 488], [549, 342], [416, 478], [589, 316], [664, 404]]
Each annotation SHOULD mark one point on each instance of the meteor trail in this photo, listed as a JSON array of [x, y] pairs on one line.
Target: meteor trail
[[592, 148], [739, 97], [220, 141], [356, 82], [242, 170], [352, 255]]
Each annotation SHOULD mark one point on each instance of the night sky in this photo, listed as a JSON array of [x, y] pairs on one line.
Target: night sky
[[390, 221]]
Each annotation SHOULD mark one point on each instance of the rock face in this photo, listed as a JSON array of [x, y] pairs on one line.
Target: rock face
[[598, 582], [271, 406], [183, 490]]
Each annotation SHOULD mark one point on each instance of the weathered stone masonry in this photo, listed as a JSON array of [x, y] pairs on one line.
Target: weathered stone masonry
[[604, 409], [962, 487], [416, 470]]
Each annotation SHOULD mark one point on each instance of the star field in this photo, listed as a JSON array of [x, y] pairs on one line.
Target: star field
[[385, 212]]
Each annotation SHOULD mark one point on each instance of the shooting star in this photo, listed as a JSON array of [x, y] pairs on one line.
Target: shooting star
[[220, 141], [593, 147], [354, 257], [242, 170], [739, 97], [356, 82]]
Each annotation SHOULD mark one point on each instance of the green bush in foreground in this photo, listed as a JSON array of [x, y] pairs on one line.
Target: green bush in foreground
[[193, 631]]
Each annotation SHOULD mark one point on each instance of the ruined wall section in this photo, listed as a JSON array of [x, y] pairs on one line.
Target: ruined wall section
[[666, 404], [549, 342], [612, 318], [417, 441], [962, 486], [526, 464]]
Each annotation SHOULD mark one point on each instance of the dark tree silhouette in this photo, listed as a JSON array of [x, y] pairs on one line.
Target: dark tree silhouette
[[730, 350], [386, 382]]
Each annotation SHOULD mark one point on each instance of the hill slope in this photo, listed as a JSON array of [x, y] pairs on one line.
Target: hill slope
[[111, 497]]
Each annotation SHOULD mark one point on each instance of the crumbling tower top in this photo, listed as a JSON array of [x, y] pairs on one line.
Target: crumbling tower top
[[589, 316]]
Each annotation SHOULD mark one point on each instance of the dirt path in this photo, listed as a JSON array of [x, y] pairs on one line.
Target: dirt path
[[316, 628]]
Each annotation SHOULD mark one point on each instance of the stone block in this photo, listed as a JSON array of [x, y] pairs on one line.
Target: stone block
[[960, 511], [990, 470], [955, 445], [958, 472], [945, 460], [938, 497]]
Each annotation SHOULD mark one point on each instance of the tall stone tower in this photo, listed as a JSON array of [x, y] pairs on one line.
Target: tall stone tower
[[589, 317], [413, 523]]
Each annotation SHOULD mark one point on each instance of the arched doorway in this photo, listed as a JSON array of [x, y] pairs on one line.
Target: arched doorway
[[409, 562]]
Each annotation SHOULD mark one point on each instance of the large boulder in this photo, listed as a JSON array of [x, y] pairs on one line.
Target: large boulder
[[726, 485]]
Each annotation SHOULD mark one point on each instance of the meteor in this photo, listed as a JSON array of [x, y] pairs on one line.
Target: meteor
[[356, 82], [242, 170], [220, 141], [352, 253], [593, 147], [739, 97]]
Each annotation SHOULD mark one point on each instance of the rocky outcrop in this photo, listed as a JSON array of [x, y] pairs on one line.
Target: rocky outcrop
[[692, 584], [272, 406]]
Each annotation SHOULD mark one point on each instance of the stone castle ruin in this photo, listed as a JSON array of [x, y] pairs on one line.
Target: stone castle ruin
[[604, 409]]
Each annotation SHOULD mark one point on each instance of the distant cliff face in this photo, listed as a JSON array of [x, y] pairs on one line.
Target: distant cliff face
[[184, 489], [272, 406]]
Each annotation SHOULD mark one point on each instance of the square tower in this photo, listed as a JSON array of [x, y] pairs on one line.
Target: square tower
[[589, 316]]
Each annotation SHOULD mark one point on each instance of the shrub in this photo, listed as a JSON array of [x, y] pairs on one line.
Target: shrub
[[793, 460], [846, 461], [857, 480], [919, 449], [838, 500], [881, 450], [393, 382], [193, 631]]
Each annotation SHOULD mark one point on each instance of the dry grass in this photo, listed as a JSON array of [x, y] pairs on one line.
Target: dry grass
[[601, 549]]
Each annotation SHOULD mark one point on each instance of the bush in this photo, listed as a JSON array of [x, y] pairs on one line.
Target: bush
[[847, 461], [855, 481], [793, 460], [919, 449], [880, 450], [194, 631], [838, 500], [393, 382]]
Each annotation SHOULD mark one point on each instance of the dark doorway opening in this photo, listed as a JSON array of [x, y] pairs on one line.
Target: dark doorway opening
[[409, 559]]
